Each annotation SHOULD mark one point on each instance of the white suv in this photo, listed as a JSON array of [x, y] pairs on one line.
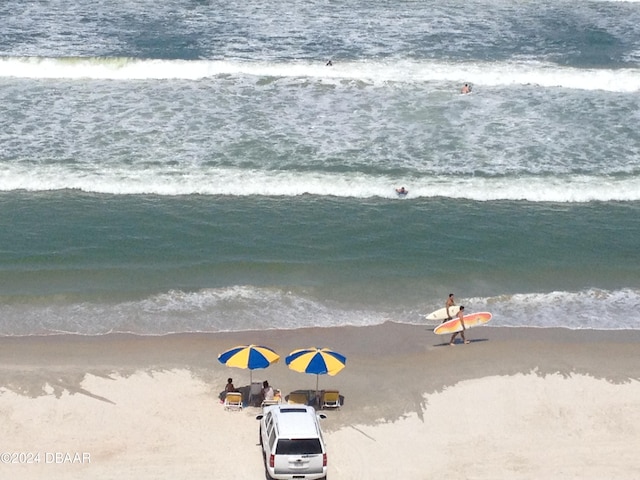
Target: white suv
[[292, 443]]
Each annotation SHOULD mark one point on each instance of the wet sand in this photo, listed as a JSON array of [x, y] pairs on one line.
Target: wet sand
[[514, 403]]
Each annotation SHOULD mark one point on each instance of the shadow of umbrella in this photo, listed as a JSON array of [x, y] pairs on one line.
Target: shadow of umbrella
[[316, 361]]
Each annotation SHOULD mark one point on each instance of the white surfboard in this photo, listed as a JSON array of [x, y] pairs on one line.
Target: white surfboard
[[441, 314]]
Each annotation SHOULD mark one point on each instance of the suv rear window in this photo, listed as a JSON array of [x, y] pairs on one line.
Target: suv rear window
[[298, 446]]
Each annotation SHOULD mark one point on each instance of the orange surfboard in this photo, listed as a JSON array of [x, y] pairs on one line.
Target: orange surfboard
[[470, 321]]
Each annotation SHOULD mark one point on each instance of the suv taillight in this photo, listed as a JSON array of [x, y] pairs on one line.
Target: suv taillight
[[324, 459], [272, 461]]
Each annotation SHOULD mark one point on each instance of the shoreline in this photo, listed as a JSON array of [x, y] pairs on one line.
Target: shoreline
[[492, 351], [144, 405]]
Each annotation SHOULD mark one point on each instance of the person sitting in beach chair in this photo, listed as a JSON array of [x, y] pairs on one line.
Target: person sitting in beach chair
[[277, 398], [229, 387], [267, 392]]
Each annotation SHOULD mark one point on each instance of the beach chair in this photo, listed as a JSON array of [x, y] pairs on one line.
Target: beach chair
[[277, 399], [255, 391], [330, 399], [298, 398], [233, 401]]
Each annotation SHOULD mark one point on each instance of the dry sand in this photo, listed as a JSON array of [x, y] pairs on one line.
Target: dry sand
[[515, 403]]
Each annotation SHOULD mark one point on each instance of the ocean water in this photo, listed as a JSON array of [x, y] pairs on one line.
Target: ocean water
[[196, 166]]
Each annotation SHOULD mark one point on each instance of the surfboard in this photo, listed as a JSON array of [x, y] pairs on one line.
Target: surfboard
[[470, 321], [441, 314]]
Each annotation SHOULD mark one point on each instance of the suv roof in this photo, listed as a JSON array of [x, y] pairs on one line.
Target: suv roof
[[295, 422]]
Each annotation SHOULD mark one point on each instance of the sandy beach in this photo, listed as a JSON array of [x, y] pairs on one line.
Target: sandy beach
[[514, 403]]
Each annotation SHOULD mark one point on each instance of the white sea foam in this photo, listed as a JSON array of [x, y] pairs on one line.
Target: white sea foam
[[235, 308], [241, 182], [249, 308], [378, 72], [588, 309]]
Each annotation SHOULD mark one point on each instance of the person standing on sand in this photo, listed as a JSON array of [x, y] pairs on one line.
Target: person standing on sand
[[450, 303], [461, 317]]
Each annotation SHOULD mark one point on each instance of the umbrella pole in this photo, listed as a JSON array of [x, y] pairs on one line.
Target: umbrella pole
[[250, 386], [317, 393]]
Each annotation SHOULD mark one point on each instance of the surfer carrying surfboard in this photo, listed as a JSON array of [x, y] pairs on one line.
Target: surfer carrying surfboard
[[461, 318], [450, 303]]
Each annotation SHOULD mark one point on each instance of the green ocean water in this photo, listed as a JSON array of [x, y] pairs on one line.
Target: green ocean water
[[184, 166], [365, 260]]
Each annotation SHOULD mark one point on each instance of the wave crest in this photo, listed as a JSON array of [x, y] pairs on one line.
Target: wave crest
[[399, 71], [239, 308], [242, 182]]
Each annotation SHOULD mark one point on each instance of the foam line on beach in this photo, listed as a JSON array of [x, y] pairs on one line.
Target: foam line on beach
[[207, 310]]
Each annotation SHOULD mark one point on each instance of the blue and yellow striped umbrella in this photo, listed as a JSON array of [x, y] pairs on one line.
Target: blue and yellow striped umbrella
[[249, 356], [318, 361]]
